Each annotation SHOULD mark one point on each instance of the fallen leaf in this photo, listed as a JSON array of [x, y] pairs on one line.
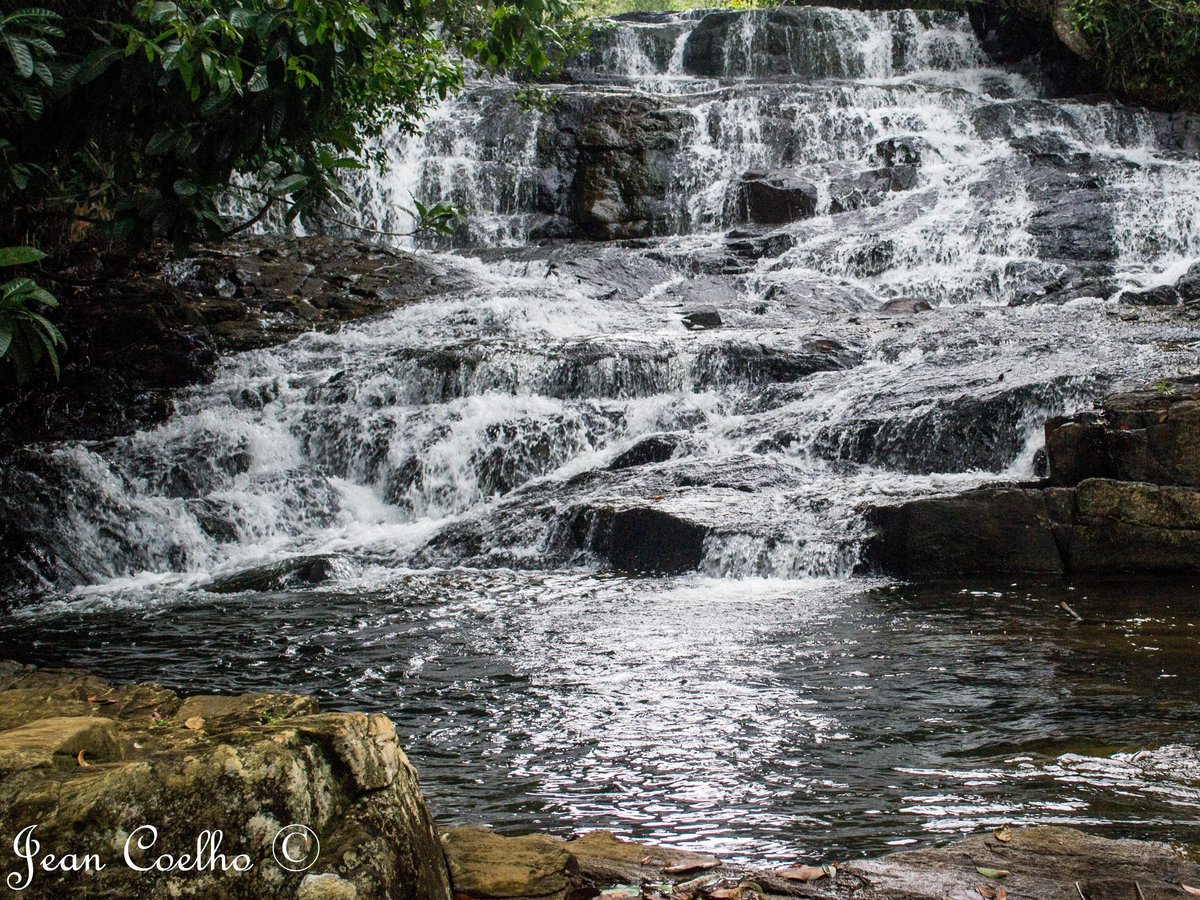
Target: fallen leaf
[[1190, 889], [700, 866], [195, 723], [82, 762], [102, 701], [802, 873], [734, 893], [991, 893], [991, 873], [1003, 834]]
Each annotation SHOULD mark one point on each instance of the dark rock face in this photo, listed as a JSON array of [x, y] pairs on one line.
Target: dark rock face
[[1148, 436], [869, 188], [1125, 500], [654, 449], [1164, 295], [776, 198], [619, 154], [290, 573], [903, 306], [702, 319], [988, 531], [640, 539]]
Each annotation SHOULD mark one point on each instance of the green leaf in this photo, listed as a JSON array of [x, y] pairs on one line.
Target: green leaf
[[288, 185], [6, 336], [20, 256], [991, 873], [22, 57]]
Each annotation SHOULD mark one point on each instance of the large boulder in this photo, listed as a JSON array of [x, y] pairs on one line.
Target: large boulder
[[776, 198], [90, 764], [1128, 528], [1151, 436], [640, 539], [989, 531]]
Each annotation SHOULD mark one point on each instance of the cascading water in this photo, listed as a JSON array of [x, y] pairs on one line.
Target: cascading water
[[455, 456]]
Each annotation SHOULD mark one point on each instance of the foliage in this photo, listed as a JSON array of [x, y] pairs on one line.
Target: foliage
[[598, 8], [134, 116], [26, 336], [1148, 49]]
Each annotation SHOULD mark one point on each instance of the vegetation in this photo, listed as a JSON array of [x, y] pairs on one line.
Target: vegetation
[[1148, 49], [133, 118], [26, 336]]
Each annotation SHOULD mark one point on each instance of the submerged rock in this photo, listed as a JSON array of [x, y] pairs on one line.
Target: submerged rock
[[88, 763], [300, 571]]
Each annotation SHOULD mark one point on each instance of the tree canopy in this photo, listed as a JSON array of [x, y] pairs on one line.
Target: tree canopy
[[132, 117]]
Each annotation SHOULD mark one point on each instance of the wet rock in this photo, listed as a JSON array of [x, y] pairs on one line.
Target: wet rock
[[755, 245], [605, 859], [485, 866], [1189, 286], [247, 766], [1129, 528], [1149, 436], [908, 150], [1163, 295], [142, 329], [622, 156], [903, 306], [701, 319], [654, 449], [992, 530], [870, 188], [301, 571], [1044, 862], [776, 198], [640, 539]]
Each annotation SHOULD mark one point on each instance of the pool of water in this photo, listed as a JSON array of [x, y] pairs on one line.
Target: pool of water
[[756, 718]]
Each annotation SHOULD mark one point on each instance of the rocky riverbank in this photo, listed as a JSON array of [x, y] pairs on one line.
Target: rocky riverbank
[[92, 765], [1123, 498], [139, 330]]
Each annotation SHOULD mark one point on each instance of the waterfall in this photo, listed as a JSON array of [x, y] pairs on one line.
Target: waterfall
[[493, 424]]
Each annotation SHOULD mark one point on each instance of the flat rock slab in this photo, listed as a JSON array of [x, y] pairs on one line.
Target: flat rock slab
[[1044, 863]]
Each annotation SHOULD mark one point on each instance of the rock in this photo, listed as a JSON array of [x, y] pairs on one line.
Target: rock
[[300, 571], [246, 766], [640, 539], [908, 150], [776, 198], [1044, 862], [1189, 286], [1163, 295], [605, 859], [485, 866], [701, 319], [904, 306], [653, 449], [1150, 436], [618, 158], [869, 188], [754, 245], [989, 531], [144, 328], [1128, 528]]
